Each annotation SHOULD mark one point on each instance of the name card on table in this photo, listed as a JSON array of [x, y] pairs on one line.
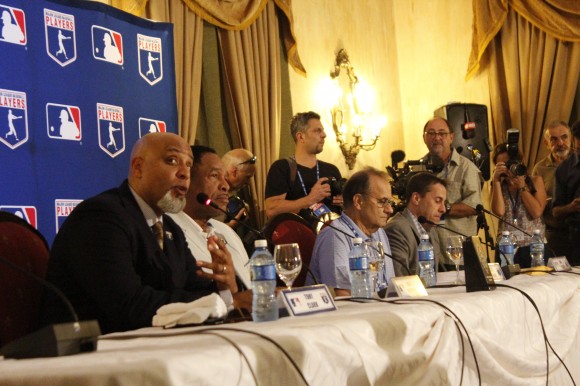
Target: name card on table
[[308, 300], [407, 287], [559, 263], [496, 272]]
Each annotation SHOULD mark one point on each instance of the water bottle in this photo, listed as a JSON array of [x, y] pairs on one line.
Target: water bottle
[[427, 262], [506, 247], [263, 274], [360, 276], [537, 249]]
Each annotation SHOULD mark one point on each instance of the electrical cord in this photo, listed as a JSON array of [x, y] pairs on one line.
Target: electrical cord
[[215, 329], [546, 340]]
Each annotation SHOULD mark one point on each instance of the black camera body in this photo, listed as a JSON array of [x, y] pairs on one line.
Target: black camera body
[[514, 164], [336, 185]]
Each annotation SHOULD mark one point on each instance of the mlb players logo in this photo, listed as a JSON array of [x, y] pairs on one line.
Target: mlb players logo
[[13, 121], [63, 122], [107, 45], [27, 213], [147, 126], [13, 25], [111, 129], [62, 208], [60, 37], [150, 61]]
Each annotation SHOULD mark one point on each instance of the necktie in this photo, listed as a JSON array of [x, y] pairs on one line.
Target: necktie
[[158, 232]]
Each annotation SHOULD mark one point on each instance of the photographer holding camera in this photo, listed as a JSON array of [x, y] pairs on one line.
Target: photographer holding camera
[[515, 196], [302, 183]]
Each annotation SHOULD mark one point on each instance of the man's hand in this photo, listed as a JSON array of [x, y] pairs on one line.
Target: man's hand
[[320, 190], [221, 265]]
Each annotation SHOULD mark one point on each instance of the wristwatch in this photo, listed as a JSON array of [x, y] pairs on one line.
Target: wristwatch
[[447, 207], [524, 189]]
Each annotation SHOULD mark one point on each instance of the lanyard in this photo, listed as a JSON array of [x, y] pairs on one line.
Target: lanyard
[[300, 175], [349, 225], [515, 203]]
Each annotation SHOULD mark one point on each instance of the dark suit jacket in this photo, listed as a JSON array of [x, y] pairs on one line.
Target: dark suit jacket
[[404, 240], [107, 262]]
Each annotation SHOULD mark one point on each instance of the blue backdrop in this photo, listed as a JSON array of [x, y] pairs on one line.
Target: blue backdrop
[[80, 82]]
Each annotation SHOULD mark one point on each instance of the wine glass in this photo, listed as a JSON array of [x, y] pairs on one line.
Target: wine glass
[[376, 264], [288, 262], [454, 251]]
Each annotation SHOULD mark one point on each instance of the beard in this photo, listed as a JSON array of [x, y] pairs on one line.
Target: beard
[[562, 153], [170, 204]]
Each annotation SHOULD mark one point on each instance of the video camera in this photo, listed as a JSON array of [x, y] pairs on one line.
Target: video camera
[[235, 204], [400, 176], [514, 165]]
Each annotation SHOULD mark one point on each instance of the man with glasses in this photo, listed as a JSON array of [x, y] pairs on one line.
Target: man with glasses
[[367, 207], [463, 181], [425, 196], [300, 183], [240, 167], [558, 140], [566, 207]]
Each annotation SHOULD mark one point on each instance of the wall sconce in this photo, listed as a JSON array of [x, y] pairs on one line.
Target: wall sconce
[[351, 112]]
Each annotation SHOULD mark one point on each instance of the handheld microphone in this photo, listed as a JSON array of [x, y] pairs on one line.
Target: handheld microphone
[[204, 199], [57, 339], [352, 237]]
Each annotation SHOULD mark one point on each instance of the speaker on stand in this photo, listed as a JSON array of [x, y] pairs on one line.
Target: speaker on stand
[[468, 121]]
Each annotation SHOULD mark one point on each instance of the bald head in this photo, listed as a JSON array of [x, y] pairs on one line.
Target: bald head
[[239, 165], [159, 171]]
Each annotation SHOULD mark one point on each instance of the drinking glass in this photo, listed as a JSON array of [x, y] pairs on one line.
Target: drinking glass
[[288, 262], [455, 253], [376, 264]]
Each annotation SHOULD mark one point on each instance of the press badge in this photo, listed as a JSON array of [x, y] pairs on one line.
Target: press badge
[[319, 209]]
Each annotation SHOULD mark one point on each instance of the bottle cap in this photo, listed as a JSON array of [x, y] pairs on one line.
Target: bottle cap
[[261, 243], [357, 240], [424, 236], [505, 233]]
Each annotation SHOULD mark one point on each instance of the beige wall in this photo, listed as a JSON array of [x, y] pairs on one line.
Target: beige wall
[[414, 52]]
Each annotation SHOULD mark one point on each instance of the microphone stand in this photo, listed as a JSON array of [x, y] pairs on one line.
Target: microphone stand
[[482, 224]]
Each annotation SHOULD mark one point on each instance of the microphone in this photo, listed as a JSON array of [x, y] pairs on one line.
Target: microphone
[[204, 199], [53, 340], [459, 149], [480, 209], [396, 157], [313, 217], [423, 220], [468, 126]]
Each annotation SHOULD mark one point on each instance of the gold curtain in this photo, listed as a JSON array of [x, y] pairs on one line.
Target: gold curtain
[[251, 77], [557, 18]]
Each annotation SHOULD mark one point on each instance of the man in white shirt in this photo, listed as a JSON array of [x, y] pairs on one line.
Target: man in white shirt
[[196, 220]]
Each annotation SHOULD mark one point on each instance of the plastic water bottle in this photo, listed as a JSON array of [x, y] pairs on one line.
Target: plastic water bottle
[[537, 249], [263, 273], [427, 262], [360, 275], [506, 247]]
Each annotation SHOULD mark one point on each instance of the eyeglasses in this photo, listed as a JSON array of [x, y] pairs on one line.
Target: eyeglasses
[[433, 134], [250, 161], [382, 202]]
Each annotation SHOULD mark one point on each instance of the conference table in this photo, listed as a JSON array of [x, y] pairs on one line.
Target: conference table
[[447, 338]]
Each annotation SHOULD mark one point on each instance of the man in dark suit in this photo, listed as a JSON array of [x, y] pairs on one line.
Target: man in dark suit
[[112, 262], [425, 195]]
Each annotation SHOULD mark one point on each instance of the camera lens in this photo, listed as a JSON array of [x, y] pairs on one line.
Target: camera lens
[[518, 169]]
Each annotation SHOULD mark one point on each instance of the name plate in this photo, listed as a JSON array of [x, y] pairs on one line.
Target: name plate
[[496, 272], [407, 286], [559, 263], [308, 300]]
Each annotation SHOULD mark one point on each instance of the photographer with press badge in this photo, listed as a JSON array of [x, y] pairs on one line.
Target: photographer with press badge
[[303, 184], [515, 196]]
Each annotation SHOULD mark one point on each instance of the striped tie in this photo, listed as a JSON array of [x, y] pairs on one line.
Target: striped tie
[[158, 232]]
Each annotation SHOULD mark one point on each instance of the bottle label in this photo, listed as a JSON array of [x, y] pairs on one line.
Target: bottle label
[[508, 249], [263, 272], [358, 263], [426, 255]]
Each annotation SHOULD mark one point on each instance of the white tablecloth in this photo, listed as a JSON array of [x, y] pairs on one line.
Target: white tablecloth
[[360, 344]]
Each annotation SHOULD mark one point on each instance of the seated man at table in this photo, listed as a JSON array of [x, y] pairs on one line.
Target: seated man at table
[[207, 176], [367, 206], [118, 257], [425, 195]]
